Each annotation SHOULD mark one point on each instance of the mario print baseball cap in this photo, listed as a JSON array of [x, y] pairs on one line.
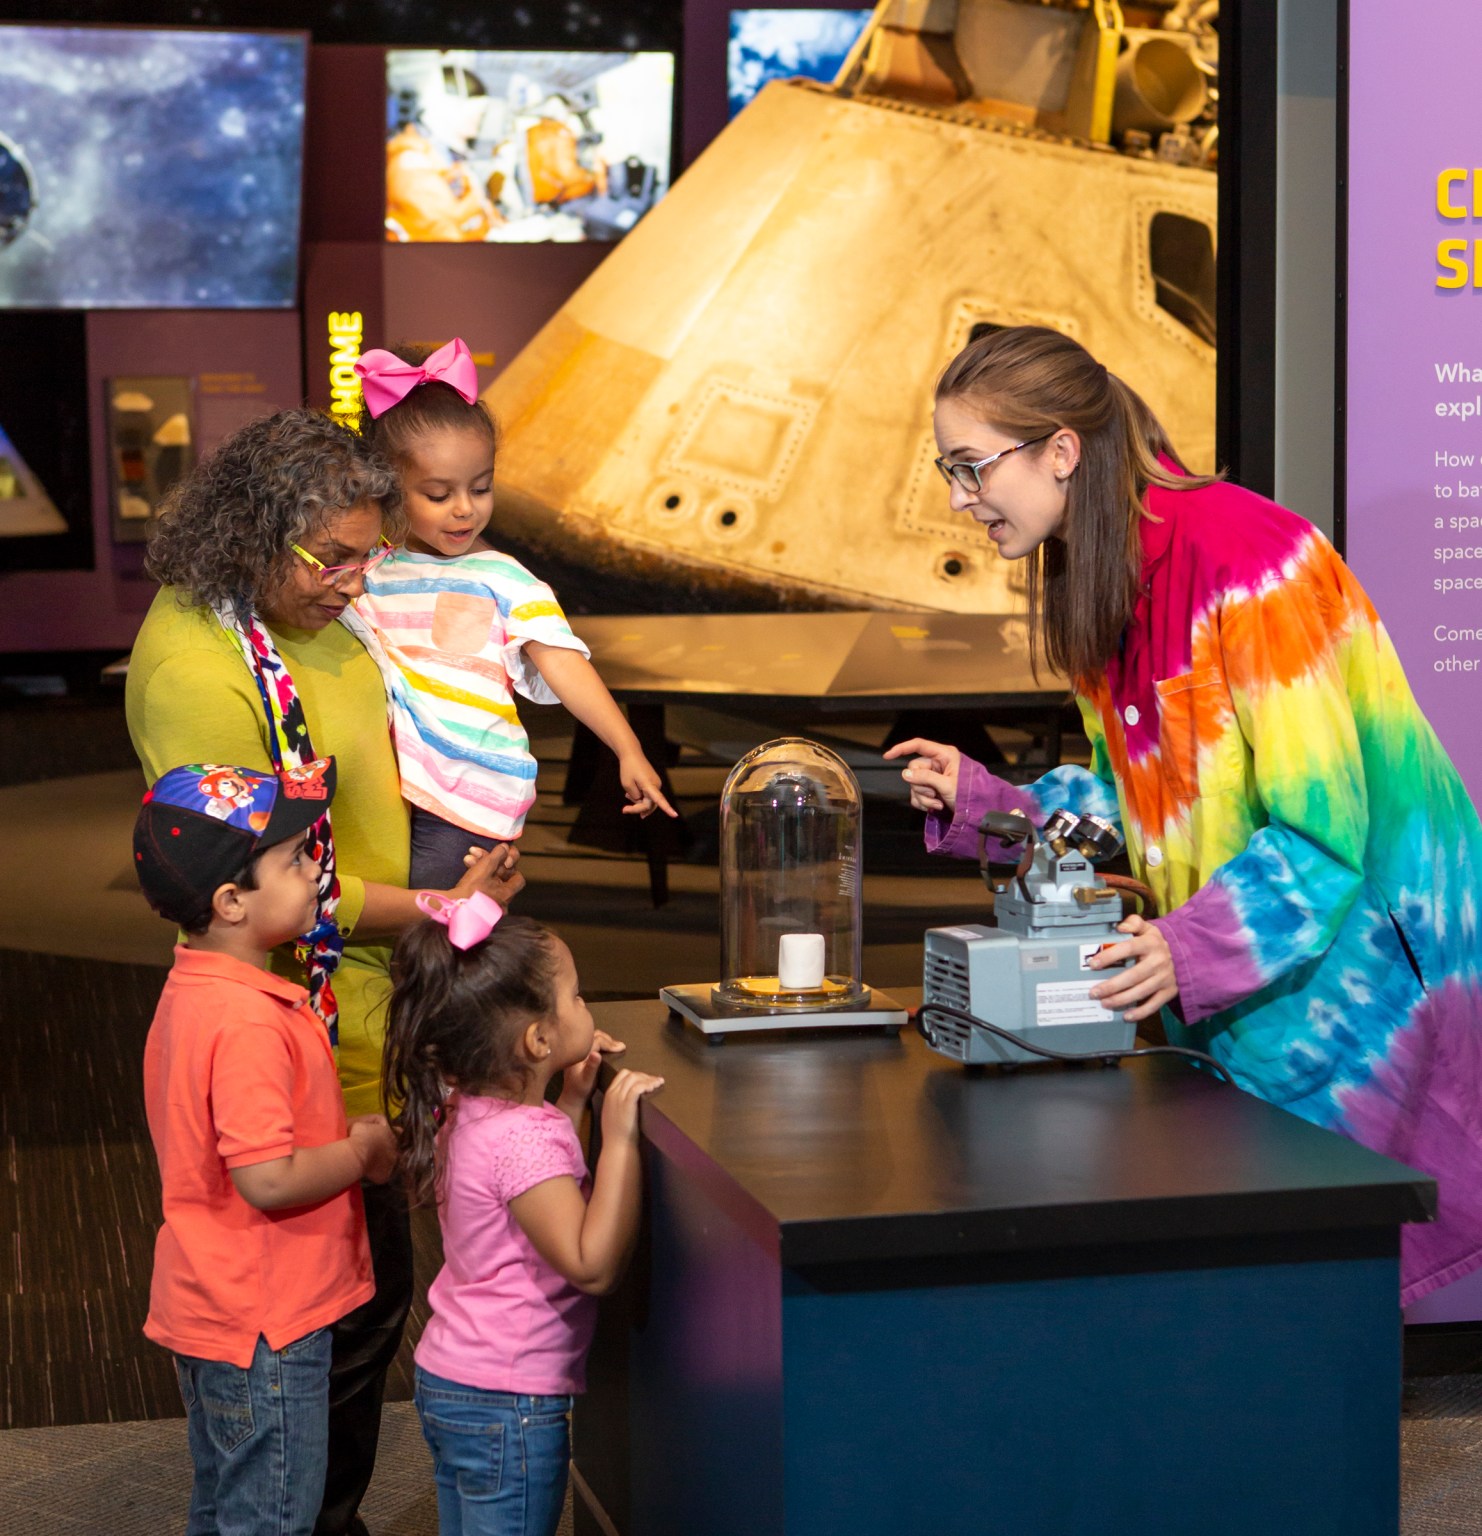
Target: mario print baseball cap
[[200, 824]]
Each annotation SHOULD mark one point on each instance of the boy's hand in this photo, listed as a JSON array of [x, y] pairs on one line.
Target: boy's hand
[[375, 1144], [493, 872], [620, 1104], [642, 786]]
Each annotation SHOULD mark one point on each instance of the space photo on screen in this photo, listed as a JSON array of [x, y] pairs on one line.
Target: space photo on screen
[[149, 169], [524, 146], [778, 45]]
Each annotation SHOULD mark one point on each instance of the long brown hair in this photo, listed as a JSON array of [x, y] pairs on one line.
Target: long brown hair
[[1030, 381], [456, 1017]]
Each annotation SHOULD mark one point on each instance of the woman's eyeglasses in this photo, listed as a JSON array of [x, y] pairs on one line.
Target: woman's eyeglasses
[[970, 476], [333, 575]]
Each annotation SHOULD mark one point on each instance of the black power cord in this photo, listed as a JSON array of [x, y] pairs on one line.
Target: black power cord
[[962, 1016]]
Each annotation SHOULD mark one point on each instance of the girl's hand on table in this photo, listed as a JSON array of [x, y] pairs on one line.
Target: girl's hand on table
[[1147, 984], [931, 773], [620, 1105], [642, 786], [493, 872], [579, 1081]]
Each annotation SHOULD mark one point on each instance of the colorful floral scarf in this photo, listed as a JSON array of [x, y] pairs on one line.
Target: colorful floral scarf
[[288, 742]]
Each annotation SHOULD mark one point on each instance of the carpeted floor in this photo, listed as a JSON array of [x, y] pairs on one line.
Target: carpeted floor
[[133, 1479]]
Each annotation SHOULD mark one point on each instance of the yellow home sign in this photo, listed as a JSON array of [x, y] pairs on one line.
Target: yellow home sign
[[346, 328]]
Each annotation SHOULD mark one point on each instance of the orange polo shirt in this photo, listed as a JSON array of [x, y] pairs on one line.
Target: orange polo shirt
[[238, 1070]]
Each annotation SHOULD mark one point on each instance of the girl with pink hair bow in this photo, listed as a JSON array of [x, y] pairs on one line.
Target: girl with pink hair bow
[[464, 628]]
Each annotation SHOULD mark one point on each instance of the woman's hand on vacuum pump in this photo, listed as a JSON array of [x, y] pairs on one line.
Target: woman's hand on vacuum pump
[[1147, 984], [931, 773], [494, 873]]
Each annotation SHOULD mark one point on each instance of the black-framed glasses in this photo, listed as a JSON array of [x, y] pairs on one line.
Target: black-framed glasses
[[970, 476], [333, 575]]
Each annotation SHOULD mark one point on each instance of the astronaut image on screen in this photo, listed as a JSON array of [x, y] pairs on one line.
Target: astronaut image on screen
[[149, 169], [503, 146]]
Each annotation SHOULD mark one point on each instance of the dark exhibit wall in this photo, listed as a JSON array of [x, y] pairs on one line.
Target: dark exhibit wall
[[44, 427], [450, 24], [83, 588], [242, 365]]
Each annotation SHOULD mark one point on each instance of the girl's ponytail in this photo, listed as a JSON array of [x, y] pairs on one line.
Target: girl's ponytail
[[455, 1021], [412, 1084]]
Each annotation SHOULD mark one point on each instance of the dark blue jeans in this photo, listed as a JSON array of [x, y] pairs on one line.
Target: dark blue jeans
[[499, 1458], [438, 850], [258, 1439]]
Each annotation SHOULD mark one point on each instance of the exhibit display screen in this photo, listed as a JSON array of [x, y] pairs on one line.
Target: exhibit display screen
[[149, 169], [524, 146], [777, 45]]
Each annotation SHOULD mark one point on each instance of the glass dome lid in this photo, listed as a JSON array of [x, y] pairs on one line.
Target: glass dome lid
[[790, 880]]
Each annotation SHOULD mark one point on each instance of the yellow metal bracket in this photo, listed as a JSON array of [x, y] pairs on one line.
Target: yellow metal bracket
[[1108, 46]]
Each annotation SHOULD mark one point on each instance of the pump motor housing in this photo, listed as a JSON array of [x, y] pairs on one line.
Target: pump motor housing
[[1035, 986]]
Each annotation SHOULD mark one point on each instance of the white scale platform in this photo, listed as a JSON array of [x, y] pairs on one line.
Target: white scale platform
[[695, 1004]]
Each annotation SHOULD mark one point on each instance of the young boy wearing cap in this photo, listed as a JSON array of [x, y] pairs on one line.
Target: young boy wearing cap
[[263, 1244]]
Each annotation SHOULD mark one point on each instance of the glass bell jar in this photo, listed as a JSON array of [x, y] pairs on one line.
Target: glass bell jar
[[790, 881]]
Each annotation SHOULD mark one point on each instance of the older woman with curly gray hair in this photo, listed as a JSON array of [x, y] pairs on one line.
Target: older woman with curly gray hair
[[251, 654]]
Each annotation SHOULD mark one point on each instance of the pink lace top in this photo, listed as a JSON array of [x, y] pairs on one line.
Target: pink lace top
[[502, 1318]]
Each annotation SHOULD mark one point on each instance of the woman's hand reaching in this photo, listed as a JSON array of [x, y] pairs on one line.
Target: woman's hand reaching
[[931, 773]]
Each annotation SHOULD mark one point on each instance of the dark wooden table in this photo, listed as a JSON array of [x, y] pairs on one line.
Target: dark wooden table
[[877, 1293]]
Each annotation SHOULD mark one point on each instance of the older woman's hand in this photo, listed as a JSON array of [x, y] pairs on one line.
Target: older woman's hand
[[493, 872]]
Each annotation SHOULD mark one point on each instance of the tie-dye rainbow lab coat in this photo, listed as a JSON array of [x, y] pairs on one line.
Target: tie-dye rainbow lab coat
[[1313, 849]]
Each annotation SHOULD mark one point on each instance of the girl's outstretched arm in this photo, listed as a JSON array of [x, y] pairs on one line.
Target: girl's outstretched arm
[[574, 680], [588, 1241]]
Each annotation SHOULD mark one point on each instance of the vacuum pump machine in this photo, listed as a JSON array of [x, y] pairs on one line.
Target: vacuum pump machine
[[1029, 978]]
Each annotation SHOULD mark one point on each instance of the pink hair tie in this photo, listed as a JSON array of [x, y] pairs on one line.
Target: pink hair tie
[[469, 920], [385, 380]]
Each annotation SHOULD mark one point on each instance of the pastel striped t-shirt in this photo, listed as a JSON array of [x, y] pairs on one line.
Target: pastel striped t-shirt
[[454, 632]]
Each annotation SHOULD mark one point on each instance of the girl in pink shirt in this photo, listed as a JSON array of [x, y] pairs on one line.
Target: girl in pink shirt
[[485, 1011]]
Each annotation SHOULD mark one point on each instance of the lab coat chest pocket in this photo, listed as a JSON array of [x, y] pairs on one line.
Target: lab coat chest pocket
[[1197, 719]]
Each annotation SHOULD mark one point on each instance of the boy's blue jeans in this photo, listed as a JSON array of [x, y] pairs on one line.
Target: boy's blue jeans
[[499, 1458], [258, 1439]]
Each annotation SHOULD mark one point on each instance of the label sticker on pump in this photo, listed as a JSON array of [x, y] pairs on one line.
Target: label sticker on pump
[[1068, 1002], [1090, 951]]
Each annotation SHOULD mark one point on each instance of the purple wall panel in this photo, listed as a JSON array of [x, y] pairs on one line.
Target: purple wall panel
[[496, 297], [246, 364], [1414, 438]]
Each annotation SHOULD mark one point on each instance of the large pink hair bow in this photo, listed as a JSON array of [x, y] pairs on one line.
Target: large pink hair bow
[[386, 380], [469, 920]]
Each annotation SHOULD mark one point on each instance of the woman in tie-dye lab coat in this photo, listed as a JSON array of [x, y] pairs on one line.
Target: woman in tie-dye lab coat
[[1313, 852]]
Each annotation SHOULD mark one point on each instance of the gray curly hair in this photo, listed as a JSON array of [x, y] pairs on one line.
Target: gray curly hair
[[225, 530]]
